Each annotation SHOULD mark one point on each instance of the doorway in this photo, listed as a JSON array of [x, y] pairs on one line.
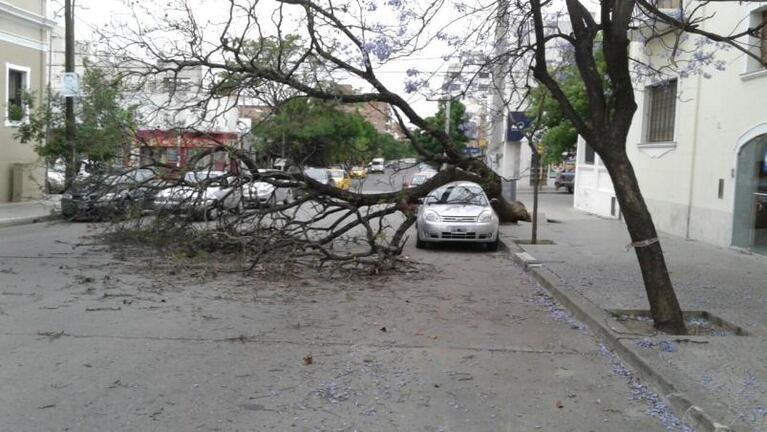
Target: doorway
[[750, 212]]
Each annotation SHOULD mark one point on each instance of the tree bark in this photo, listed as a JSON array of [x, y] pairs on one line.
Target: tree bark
[[664, 306]]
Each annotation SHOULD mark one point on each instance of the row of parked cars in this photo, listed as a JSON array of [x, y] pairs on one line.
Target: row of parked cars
[[202, 194]]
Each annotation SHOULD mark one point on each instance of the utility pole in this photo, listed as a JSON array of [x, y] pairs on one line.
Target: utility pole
[[69, 66]]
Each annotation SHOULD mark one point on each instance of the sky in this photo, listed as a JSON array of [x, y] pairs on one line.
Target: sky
[[90, 14]]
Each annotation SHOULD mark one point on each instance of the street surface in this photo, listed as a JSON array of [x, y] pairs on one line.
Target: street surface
[[462, 340]]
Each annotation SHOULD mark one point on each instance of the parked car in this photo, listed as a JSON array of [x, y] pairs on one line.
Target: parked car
[[259, 193], [457, 211], [340, 178], [357, 172], [418, 179], [376, 166], [55, 181], [96, 197], [565, 180], [202, 194]]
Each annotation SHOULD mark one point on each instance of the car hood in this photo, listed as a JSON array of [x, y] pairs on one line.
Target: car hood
[[188, 193], [260, 188], [457, 209]]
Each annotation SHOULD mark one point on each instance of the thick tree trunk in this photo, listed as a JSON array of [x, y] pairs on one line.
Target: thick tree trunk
[[664, 305]]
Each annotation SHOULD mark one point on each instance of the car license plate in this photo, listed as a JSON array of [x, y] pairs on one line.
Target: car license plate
[[458, 229]]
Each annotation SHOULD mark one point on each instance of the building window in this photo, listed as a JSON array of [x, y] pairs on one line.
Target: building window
[[588, 154], [669, 4], [17, 82], [661, 112]]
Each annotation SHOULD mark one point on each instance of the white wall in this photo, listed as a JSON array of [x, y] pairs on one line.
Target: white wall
[[594, 191], [679, 179]]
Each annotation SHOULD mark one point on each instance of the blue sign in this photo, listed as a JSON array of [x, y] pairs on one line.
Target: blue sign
[[516, 126], [472, 151]]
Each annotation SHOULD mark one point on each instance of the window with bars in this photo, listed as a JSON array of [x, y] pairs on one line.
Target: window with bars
[[17, 84], [669, 4], [661, 112]]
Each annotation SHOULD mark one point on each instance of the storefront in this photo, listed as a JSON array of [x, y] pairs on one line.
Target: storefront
[[178, 148]]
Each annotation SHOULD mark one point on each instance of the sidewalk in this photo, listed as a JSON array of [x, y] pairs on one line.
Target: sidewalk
[[589, 260], [19, 213]]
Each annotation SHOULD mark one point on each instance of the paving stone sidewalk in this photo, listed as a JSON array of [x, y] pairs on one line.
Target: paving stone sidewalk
[[589, 255]]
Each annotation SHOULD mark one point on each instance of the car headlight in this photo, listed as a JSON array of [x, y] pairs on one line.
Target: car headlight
[[431, 217], [486, 216]]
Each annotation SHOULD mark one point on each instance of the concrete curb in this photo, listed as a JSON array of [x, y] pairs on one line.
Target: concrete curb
[[27, 220], [599, 321]]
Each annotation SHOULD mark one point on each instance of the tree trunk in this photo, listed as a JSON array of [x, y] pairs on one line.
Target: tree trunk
[[664, 306]]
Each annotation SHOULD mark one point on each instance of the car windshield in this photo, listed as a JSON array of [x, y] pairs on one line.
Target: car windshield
[[317, 174], [200, 176], [458, 195], [130, 177]]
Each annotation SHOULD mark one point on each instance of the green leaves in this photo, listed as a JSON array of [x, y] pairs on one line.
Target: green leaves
[[321, 133], [104, 125], [557, 134], [457, 113]]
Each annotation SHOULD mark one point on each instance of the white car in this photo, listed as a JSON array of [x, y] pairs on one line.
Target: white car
[[457, 212], [376, 166], [260, 193], [204, 194]]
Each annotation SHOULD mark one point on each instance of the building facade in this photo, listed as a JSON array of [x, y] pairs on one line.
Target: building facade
[[24, 37], [698, 142]]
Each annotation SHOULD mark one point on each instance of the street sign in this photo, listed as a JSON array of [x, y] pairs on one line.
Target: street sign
[[516, 125], [70, 84], [472, 151]]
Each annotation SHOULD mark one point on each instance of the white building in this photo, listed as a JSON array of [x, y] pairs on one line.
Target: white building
[[698, 144]]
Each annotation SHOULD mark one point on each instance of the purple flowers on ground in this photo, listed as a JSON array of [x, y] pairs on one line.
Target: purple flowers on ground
[[656, 407], [667, 346]]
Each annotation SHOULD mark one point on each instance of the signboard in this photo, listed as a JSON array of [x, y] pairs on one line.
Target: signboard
[[472, 151], [70, 84], [516, 125]]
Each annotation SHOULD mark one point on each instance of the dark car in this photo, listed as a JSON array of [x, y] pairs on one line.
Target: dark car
[[565, 180], [97, 197]]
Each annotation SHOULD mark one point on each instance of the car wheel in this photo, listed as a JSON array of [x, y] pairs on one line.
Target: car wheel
[[419, 244], [493, 246], [211, 213]]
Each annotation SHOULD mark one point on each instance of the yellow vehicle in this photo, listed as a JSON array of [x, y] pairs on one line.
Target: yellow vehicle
[[358, 172], [341, 180]]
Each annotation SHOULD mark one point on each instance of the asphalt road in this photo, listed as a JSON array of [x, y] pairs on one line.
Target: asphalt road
[[92, 340], [390, 180]]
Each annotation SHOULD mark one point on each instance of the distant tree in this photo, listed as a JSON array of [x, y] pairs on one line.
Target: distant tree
[[317, 132], [555, 133], [457, 135], [105, 125]]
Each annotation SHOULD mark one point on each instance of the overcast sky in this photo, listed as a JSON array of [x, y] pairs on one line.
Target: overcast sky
[[92, 14]]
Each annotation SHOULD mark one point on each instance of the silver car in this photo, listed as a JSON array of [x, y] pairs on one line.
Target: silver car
[[204, 194], [457, 212]]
